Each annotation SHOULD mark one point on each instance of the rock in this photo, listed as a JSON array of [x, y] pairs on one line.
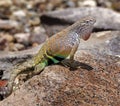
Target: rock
[[56, 2], [104, 3], [3, 43], [5, 40], [19, 14], [20, 3], [94, 81], [70, 4], [33, 18], [43, 7], [57, 20], [35, 2], [91, 3], [7, 37], [34, 21], [49, 7], [22, 37], [38, 36], [116, 5], [14, 47], [9, 24], [17, 47], [5, 3]]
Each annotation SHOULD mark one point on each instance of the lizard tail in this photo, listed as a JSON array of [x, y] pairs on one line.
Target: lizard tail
[[6, 87]]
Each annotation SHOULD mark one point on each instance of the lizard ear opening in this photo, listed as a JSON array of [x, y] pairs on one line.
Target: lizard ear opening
[[86, 37]]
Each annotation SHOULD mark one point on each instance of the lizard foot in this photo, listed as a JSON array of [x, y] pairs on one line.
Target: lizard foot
[[67, 63]]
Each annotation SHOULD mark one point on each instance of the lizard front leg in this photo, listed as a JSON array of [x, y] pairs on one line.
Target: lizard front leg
[[71, 56], [73, 51]]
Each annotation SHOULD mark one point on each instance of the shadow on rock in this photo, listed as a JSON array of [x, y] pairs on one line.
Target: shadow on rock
[[76, 65]]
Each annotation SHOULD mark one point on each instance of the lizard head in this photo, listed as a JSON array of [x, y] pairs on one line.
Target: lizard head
[[84, 27], [87, 27]]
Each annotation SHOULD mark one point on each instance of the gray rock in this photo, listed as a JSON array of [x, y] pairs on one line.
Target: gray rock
[[19, 14], [22, 37], [38, 36], [9, 24], [106, 19]]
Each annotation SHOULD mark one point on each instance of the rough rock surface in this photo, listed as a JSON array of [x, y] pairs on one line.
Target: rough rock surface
[[94, 81]]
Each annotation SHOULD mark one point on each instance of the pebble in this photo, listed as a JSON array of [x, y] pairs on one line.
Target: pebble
[[19, 3], [15, 47], [35, 2], [22, 37], [116, 5], [8, 24], [5, 40], [19, 46], [49, 7], [70, 4], [56, 2], [33, 18], [104, 3], [34, 21], [5, 3], [91, 3], [7, 37], [19, 14], [39, 35]]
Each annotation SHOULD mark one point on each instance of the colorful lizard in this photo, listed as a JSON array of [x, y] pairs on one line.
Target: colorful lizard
[[54, 50]]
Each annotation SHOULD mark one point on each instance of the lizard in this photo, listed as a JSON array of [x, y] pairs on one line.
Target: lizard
[[60, 46]]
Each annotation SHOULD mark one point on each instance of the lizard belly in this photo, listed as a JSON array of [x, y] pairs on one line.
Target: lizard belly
[[58, 52]]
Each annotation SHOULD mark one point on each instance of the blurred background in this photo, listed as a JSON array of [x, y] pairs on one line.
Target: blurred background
[[20, 20]]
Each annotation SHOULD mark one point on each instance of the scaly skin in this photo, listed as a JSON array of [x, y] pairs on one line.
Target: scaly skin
[[55, 49]]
